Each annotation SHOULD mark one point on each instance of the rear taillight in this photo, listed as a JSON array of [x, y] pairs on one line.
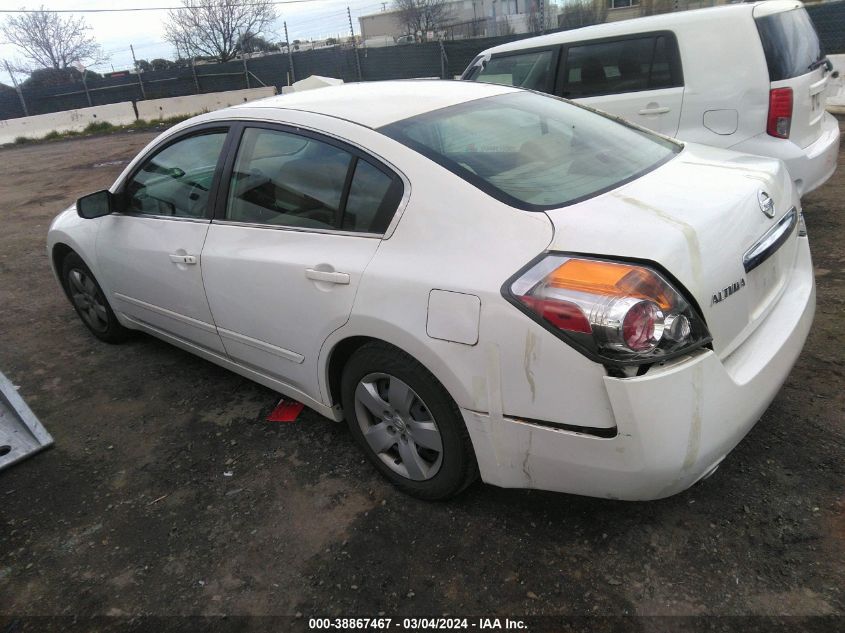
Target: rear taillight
[[619, 312], [780, 112]]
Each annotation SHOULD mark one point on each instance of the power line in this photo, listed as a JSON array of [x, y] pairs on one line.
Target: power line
[[135, 9]]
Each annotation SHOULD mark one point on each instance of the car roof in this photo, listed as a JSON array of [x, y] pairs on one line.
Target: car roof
[[375, 103], [648, 23]]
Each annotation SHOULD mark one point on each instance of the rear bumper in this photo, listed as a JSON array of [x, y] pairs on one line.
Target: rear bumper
[[811, 166], [675, 423]]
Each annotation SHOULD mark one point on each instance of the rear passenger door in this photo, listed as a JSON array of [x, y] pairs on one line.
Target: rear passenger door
[[637, 77], [300, 218]]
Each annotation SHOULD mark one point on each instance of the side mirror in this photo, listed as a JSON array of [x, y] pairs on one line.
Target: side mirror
[[95, 205]]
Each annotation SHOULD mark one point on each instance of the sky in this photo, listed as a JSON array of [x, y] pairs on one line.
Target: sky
[[145, 29]]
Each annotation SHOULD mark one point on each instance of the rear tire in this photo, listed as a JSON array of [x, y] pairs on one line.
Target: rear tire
[[89, 301], [406, 423]]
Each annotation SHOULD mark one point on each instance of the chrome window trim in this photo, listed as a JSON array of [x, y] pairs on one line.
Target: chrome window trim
[[188, 130], [771, 241], [177, 218], [298, 229], [406, 193]]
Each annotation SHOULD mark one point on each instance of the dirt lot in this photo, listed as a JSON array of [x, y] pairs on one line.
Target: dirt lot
[[131, 513]]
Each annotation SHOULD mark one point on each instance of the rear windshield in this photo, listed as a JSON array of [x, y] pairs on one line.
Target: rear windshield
[[790, 43], [533, 151]]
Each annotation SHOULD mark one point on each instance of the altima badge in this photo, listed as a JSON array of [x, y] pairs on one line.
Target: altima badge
[[724, 293], [767, 203]]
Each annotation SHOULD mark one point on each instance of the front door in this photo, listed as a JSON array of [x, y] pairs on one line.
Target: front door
[[303, 217], [150, 252]]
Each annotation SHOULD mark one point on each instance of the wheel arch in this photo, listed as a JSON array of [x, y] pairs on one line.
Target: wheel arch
[[58, 254], [344, 343]]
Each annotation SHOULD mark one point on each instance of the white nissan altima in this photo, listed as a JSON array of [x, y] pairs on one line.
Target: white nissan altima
[[481, 280]]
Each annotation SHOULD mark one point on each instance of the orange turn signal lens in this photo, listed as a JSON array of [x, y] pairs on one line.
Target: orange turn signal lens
[[610, 279]]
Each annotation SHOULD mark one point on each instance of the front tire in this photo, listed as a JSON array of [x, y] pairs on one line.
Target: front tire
[[89, 301], [406, 423]]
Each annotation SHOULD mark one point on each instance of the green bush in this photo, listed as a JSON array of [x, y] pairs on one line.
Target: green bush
[[52, 135], [22, 140], [96, 127]]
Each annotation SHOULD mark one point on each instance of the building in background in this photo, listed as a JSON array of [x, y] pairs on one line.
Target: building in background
[[626, 9], [468, 18]]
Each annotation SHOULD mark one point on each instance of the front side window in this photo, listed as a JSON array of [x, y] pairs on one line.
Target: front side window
[[619, 66], [285, 179], [532, 71], [533, 151], [177, 180]]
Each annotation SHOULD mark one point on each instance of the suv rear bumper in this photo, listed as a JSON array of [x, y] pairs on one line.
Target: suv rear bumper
[[811, 166], [675, 423]]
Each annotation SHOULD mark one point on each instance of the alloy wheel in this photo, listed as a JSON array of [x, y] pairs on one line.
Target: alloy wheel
[[398, 426], [88, 300]]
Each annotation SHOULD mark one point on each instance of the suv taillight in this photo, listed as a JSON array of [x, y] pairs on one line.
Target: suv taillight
[[611, 311], [780, 112]]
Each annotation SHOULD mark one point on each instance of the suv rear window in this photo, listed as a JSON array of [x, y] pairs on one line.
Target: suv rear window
[[790, 43], [533, 151]]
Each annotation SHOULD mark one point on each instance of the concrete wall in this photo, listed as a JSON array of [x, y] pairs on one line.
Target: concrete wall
[[156, 109], [124, 114], [70, 120]]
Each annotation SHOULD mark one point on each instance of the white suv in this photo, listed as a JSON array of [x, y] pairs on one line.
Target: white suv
[[749, 77]]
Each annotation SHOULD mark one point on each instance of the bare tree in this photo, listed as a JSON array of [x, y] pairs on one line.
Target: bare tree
[[421, 16], [213, 28], [578, 13], [50, 40]]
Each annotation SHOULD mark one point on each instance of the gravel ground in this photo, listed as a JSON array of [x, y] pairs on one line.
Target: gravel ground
[[131, 514]]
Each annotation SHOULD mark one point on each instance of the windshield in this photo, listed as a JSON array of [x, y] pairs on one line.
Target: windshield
[[533, 151], [790, 43]]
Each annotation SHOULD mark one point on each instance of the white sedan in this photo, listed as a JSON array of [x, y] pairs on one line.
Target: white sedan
[[480, 280]]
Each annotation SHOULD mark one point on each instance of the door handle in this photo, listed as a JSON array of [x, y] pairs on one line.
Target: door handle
[[329, 277], [183, 259], [654, 110]]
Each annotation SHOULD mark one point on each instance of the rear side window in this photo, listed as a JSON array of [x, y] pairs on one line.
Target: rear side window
[[285, 179], [628, 65], [790, 43], [527, 70]]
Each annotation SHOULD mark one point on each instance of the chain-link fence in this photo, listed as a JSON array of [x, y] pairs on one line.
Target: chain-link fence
[[443, 59]]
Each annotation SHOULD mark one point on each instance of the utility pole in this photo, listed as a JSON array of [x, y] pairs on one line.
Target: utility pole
[[85, 87], [354, 44], [243, 59], [17, 87], [542, 16], [138, 72], [194, 71], [290, 55]]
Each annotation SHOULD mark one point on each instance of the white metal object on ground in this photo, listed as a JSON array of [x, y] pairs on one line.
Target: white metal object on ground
[[21, 433]]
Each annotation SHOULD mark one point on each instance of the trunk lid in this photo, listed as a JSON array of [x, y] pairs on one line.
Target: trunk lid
[[697, 216], [792, 48]]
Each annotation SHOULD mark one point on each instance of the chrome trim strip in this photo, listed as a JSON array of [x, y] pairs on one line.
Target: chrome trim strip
[[771, 241], [298, 229], [202, 325], [261, 346], [162, 217]]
